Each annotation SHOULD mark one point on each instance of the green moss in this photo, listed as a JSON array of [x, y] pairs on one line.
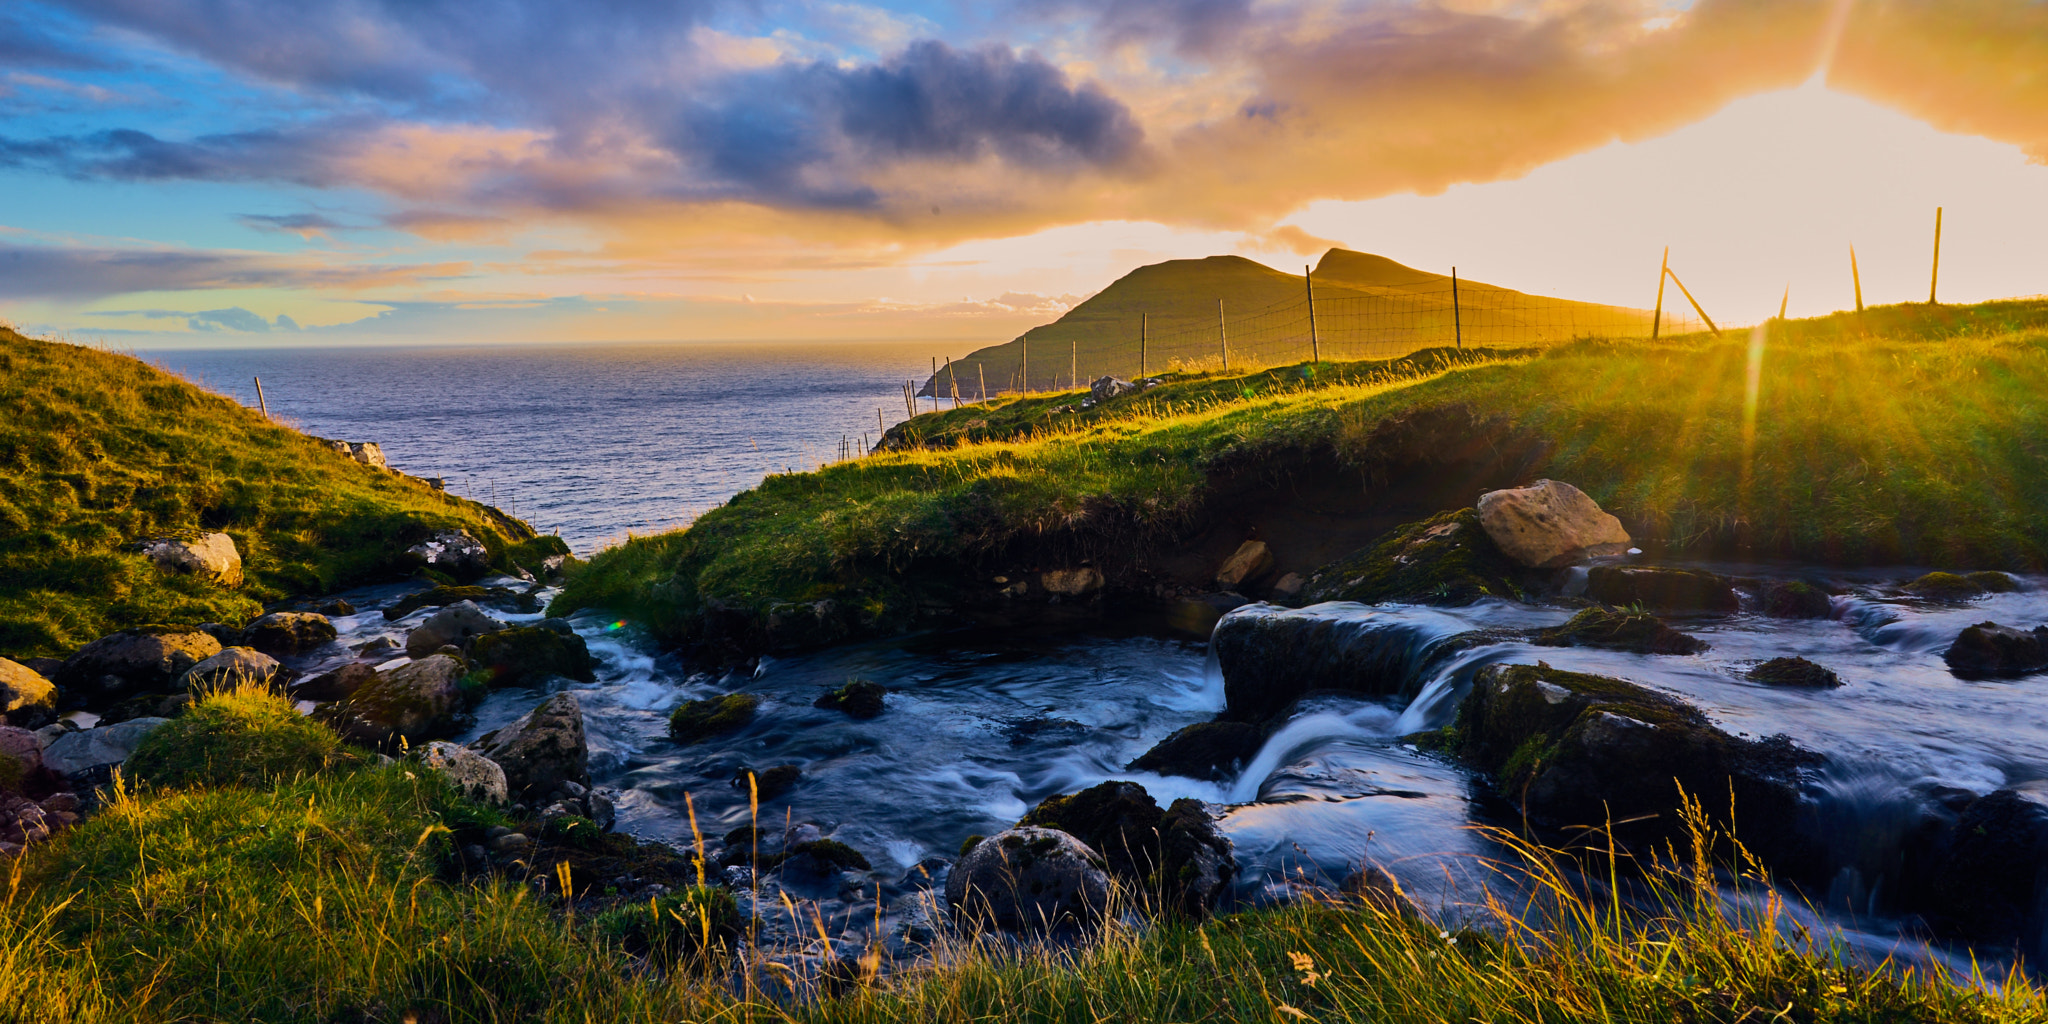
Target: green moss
[[1446, 559], [1527, 757], [702, 719], [970, 843], [1994, 582], [244, 737], [859, 698], [1797, 672], [573, 831], [1944, 586], [528, 655], [1631, 630]]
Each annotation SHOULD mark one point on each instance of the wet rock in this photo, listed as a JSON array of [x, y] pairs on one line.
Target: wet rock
[[1029, 879], [602, 811], [1549, 524], [1447, 559], [1104, 388], [1795, 599], [130, 661], [335, 684], [543, 749], [1289, 585], [819, 859], [25, 694], [1950, 587], [211, 557], [1620, 631], [1994, 582], [144, 705], [503, 598], [1572, 749], [1248, 562], [417, 701], [530, 655], [1071, 582], [771, 782], [475, 776], [79, 752], [1211, 751], [232, 667], [859, 698], [1197, 863], [1042, 729], [1795, 672], [336, 607], [715, 716], [286, 633], [453, 552], [1272, 657], [1993, 882], [1118, 820], [25, 750], [1988, 650], [1669, 590], [456, 625]]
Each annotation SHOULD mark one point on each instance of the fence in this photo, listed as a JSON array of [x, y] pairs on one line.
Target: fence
[[1342, 324]]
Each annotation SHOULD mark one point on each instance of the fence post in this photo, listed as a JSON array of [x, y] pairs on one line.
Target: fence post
[[1024, 362], [1457, 318], [1657, 317], [1144, 328], [1073, 361], [260, 403], [1223, 335], [1695, 304], [952, 382], [983, 378], [1935, 279], [1856, 276], [1315, 344], [1783, 302]]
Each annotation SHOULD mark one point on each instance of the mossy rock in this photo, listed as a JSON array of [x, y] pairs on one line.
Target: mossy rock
[[1446, 559], [821, 857], [676, 928], [1660, 589], [503, 598], [859, 698], [1616, 630], [769, 783], [1994, 582], [700, 720], [247, 737], [1795, 672], [529, 655], [1948, 586], [1213, 751], [1118, 820], [970, 843], [1795, 599]]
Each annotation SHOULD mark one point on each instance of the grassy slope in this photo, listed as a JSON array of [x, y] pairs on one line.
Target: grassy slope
[[1912, 435], [98, 450]]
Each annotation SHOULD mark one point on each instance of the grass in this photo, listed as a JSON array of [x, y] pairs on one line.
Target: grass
[[245, 734], [1908, 435], [99, 450]]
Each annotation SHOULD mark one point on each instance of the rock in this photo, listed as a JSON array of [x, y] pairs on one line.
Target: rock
[[543, 749], [1447, 559], [282, 634], [769, 783], [1994, 582], [130, 661], [819, 859], [1620, 631], [509, 843], [1071, 582], [368, 453], [1212, 751], [602, 813], [1029, 879], [1379, 890], [1251, 559], [211, 557], [336, 607], [1104, 388], [336, 684], [456, 625], [454, 552], [1289, 585], [1944, 586], [859, 698], [1670, 590], [1197, 863], [504, 598], [1989, 650], [231, 667], [80, 752], [1992, 882], [1272, 656], [702, 719], [1797, 672], [46, 667], [475, 776], [25, 748], [1572, 749], [794, 626], [417, 701], [22, 691], [1795, 599], [1118, 820], [530, 655], [1549, 524]]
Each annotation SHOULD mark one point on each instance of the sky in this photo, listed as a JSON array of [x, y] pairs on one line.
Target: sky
[[241, 172]]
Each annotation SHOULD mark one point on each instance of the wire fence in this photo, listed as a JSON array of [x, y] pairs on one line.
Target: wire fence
[[1339, 327]]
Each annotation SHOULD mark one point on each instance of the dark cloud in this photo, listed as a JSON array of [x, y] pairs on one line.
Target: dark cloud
[[300, 156], [80, 273], [1190, 26]]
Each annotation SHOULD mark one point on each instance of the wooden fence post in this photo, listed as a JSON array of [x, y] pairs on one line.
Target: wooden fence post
[[1222, 335], [1935, 278], [1315, 344], [260, 403], [1144, 328], [1695, 303], [1856, 276], [1657, 317], [1457, 318]]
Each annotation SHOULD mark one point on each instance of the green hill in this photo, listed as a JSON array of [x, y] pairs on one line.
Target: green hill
[[1186, 313], [99, 450]]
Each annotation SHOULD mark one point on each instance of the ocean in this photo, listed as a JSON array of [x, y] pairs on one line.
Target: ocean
[[591, 441]]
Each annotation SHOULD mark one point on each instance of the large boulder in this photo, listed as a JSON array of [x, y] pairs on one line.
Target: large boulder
[[1447, 559], [336, 683], [453, 552], [1573, 749], [1029, 879], [211, 557], [1179, 855], [369, 453], [231, 667], [77, 753], [1549, 524], [132, 661], [23, 690], [1212, 751], [1988, 650], [530, 655], [1993, 882], [543, 749], [1198, 863], [1795, 672], [1104, 388], [474, 776], [697, 720], [1619, 631], [454, 626], [1271, 656], [1666, 590], [417, 701], [281, 634], [26, 750]]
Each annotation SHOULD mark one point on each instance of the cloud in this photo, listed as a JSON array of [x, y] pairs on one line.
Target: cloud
[[234, 318], [1292, 239], [23, 44], [305, 225], [1192, 26], [84, 273]]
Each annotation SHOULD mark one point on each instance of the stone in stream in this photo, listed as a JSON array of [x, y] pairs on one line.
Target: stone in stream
[[1572, 749], [1071, 582], [131, 661], [78, 753], [1988, 650], [453, 552], [1177, 856], [335, 684], [454, 626], [440, 597], [1251, 559], [1447, 559], [1991, 880], [529, 655], [231, 667], [1795, 672], [771, 782], [25, 695], [543, 749], [1029, 879], [475, 776], [1795, 599], [714, 716], [1620, 631], [1951, 587], [417, 701], [1272, 657], [211, 557], [1211, 751], [288, 633], [1549, 525], [1659, 589], [859, 698]]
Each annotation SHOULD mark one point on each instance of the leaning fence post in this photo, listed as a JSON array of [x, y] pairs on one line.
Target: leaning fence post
[[1695, 303], [1457, 319], [1657, 317], [983, 378], [1315, 345], [260, 403], [1856, 276], [1935, 278]]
